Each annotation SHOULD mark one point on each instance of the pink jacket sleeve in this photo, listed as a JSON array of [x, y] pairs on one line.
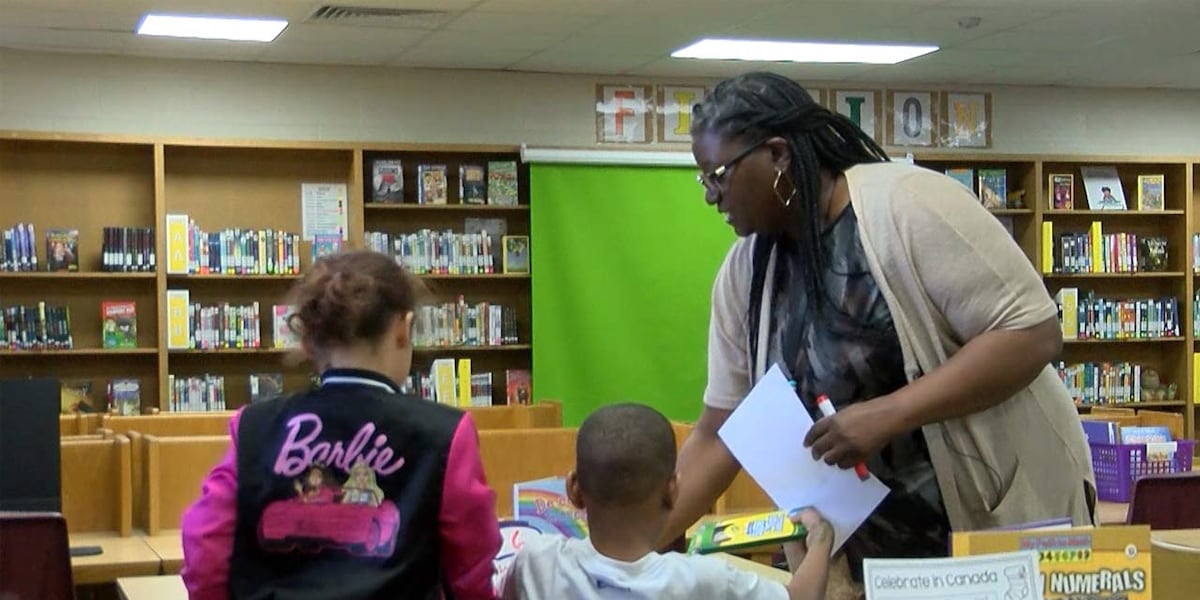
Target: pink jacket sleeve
[[208, 526], [469, 531]]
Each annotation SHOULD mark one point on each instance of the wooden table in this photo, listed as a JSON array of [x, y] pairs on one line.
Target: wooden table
[[120, 557], [1176, 559], [764, 571], [159, 587], [1111, 513], [168, 545]]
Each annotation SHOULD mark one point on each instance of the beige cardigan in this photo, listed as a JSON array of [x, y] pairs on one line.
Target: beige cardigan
[[948, 271]]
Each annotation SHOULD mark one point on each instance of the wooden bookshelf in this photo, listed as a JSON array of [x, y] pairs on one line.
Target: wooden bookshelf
[[84, 184], [137, 181], [1171, 356], [511, 290]]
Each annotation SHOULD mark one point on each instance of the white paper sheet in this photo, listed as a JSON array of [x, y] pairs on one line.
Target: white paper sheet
[[1003, 576], [766, 434], [323, 208]]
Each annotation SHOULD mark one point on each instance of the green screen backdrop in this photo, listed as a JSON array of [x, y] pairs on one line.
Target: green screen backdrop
[[623, 260]]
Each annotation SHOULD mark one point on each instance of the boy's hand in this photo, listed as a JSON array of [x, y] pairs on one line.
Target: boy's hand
[[819, 531], [810, 575]]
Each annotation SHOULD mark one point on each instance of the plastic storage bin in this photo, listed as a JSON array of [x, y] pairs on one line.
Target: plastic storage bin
[[1118, 466]]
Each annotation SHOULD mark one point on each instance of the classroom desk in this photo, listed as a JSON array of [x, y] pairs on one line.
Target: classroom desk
[[158, 587], [168, 545], [121, 557]]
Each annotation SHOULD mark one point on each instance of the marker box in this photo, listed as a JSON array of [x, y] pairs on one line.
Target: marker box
[[746, 531]]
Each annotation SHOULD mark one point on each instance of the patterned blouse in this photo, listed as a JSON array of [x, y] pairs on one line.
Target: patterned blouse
[[851, 353]]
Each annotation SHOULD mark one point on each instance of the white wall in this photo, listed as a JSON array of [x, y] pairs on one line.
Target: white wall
[[94, 94]]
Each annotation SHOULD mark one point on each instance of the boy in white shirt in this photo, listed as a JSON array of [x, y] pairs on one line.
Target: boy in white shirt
[[625, 479]]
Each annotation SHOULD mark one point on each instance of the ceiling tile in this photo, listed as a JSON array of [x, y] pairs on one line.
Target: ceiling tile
[[820, 21], [331, 34], [558, 7], [1027, 40], [346, 54], [483, 42], [522, 24]]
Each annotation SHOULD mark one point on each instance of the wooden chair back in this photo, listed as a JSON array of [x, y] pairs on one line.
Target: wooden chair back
[[96, 485], [175, 468], [514, 455]]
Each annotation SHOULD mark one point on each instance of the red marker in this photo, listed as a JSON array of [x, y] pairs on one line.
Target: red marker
[[828, 410]]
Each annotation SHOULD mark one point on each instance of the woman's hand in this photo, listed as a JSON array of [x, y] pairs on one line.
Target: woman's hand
[[854, 433]]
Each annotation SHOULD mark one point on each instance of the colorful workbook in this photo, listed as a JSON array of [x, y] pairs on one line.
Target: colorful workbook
[[1104, 563], [543, 504]]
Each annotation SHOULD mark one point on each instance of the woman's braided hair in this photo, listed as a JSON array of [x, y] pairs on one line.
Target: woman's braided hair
[[756, 106]]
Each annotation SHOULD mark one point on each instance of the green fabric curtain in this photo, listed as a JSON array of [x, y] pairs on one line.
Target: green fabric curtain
[[623, 260]]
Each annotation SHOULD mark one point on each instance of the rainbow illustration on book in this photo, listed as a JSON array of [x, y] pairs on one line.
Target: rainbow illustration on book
[[543, 504]]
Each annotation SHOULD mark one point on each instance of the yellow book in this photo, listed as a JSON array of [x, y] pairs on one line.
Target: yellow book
[[1196, 378], [1081, 562], [464, 382], [1047, 247], [443, 381], [177, 244], [1068, 302], [178, 323], [1097, 239]]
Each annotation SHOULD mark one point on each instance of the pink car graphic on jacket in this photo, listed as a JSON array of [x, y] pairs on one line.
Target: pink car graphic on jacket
[[358, 529]]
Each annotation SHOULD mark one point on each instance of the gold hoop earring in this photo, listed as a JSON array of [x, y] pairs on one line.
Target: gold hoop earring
[[775, 188]]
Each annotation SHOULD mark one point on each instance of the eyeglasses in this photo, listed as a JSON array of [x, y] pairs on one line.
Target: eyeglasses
[[712, 179]]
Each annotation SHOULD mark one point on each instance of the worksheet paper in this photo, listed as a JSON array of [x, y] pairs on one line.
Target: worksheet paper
[[1003, 576], [766, 435]]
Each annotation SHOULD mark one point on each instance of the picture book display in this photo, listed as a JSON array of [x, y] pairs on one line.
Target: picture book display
[[76, 396], [543, 505], [265, 386], [472, 184], [325, 244], [1150, 192], [519, 384], [1103, 187], [993, 188], [1062, 191], [62, 250], [282, 334], [516, 253], [387, 180], [1105, 563], [124, 397], [120, 324], [963, 175], [502, 186], [433, 184]]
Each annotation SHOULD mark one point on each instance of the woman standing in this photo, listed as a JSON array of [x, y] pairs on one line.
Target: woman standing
[[890, 289]]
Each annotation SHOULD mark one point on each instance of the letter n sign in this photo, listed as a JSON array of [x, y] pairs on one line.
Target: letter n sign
[[910, 118], [862, 107], [623, 114]]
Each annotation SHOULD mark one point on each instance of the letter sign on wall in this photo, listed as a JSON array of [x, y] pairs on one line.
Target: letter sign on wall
[[623, 114], [910, 118]]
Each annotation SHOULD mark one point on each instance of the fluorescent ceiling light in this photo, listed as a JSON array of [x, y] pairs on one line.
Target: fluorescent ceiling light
[[812, 52], [212, 28]]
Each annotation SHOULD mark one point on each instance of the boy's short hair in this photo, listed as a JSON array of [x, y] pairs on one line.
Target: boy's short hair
[[624, 453]]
